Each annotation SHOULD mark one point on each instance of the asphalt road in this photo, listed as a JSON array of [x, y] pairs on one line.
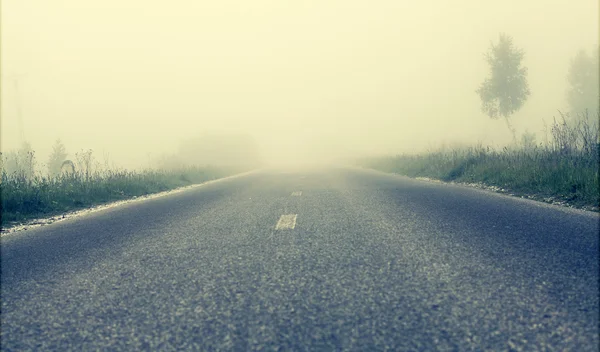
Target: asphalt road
[[373, 262]]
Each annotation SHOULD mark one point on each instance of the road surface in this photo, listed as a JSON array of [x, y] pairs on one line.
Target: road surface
[[331, 259]]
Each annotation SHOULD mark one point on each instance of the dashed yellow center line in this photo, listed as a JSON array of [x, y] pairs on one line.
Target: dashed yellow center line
[[296, 194], [286, 221]]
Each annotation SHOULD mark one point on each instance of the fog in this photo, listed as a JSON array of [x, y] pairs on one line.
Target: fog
[[306, 80]]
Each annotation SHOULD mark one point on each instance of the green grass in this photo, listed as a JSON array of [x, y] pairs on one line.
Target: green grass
[[564, 169], [24, 198], [569, 176]]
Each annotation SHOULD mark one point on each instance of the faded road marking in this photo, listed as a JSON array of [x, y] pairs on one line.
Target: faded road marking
[[287, 221], [296, 194]]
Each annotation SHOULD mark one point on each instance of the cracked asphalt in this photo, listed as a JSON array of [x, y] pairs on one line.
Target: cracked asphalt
[[371, 262]]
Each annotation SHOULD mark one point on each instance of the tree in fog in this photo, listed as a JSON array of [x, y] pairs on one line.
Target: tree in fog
[[583, 91], [20, 163], [59, 154], [506, 90]]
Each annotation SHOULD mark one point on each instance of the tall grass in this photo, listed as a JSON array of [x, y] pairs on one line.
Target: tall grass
[[562, 169], [26, 196]]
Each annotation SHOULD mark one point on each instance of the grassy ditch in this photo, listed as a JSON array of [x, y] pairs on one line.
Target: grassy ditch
[[29, 197], [562, 170]]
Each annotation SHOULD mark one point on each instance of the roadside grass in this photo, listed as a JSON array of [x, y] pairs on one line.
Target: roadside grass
[[25, 198], [562, 170]]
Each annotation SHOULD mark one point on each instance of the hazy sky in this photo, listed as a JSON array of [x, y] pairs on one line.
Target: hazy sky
[[134, 77]]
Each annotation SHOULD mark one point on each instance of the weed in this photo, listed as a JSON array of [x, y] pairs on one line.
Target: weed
[[26, 195], [564, 168]]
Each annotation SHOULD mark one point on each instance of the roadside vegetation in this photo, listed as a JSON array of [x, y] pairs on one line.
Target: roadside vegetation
[[562, 169], [29, 192]]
